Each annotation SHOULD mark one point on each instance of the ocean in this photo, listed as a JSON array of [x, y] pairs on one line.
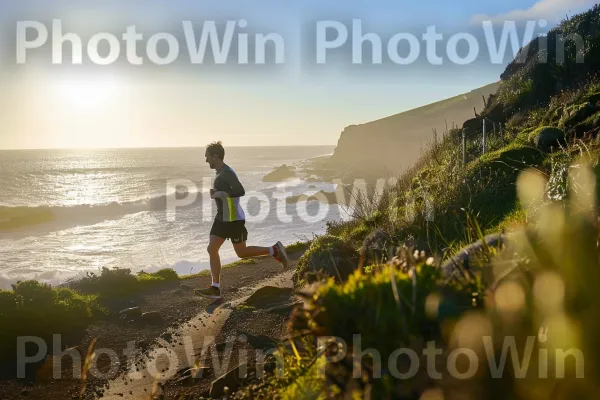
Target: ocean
[[64, 213]]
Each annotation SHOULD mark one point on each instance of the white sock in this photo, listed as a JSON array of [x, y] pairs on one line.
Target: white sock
[[216, 284], [271, 251]]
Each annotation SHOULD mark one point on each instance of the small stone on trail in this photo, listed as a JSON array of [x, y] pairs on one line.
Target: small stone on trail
[[151, 316], [128, 313]]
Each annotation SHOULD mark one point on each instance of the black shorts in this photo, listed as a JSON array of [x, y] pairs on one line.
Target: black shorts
[[234, 230]]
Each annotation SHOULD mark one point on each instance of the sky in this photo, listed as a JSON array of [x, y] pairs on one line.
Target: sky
[[321, 84]]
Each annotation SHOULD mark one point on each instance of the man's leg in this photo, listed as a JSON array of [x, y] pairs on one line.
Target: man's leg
[[215, 260], [214, 290], [239, 237], [243, 251]]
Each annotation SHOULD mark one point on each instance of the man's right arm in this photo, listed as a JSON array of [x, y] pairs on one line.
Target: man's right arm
[[235, 186]]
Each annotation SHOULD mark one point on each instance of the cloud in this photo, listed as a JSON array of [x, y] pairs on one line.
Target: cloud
[[550, 10]]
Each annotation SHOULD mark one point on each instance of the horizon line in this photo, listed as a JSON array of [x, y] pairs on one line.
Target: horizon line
[[157, 147]]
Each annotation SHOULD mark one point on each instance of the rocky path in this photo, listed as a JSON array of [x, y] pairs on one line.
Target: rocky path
[[197, 356]]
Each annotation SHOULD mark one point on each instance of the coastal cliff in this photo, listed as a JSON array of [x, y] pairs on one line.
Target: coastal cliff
[[388, 146]]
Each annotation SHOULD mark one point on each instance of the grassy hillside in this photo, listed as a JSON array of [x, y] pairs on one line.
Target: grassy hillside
[[536, 290], [394, 141]]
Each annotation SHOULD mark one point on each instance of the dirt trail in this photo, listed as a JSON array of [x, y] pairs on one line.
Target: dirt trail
[[181, 351]]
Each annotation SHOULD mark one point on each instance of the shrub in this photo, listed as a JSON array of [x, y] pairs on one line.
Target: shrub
[[109, 283], [576, 113], [516, 121], [376, 247], [329, 254], [116, 282], [167, 274], [367, 304], [33, 294], [546, 137], [37, 309], [8, 302], [298, 246], [388, 307], [515, 91], [146, 279]]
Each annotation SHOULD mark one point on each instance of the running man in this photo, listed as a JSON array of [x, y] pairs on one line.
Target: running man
[[230, 221]]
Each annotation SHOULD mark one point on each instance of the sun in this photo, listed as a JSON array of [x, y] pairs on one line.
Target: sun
[[87, 94], [85, 110]]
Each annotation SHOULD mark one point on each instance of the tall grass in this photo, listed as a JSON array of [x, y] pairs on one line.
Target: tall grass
[[541, 299]]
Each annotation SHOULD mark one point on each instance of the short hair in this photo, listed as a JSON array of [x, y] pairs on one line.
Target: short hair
[[216, 148]]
